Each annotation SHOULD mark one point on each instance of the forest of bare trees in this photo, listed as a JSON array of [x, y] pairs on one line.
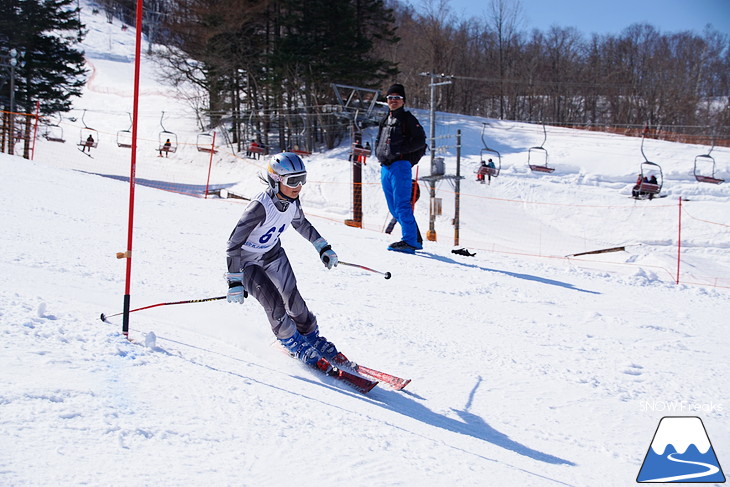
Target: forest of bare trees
[[265, 63], [677, 81]]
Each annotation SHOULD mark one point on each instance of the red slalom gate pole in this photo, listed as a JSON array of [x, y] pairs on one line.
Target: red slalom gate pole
[[132, 169]]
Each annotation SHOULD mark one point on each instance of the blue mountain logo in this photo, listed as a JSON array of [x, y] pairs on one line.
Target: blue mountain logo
[[680, 452]]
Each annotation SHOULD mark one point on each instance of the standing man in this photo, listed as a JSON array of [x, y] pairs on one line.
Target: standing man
[[400, 144]]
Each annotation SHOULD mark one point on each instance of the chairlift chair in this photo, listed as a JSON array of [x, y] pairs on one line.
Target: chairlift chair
[[296, 147], [704, 165], [359, 151], [539, 149], [124, 137], [648, 189], [84, 137], [301, 152], [165, 136], [53, 133], [489, 171], [256, 150], [204, 142], [644, 188], [87, 131], [705, 161]]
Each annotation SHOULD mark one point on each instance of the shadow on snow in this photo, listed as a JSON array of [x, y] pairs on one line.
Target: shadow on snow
[[527, 277], [405, 404], [189, 189]]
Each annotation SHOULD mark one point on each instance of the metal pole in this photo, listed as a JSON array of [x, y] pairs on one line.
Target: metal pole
[[679, 238], [457, 185], [431, 234], [13, 61], [12, 84]]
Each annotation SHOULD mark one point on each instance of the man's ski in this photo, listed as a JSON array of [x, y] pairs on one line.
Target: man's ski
[[396, 383]]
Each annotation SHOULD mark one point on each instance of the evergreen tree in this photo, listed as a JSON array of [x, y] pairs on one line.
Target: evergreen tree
[[326, 42], [211, 43], [320, 42], [46, 31]]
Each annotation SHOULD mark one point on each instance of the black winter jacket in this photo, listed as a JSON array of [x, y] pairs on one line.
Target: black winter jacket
[[400, 137]]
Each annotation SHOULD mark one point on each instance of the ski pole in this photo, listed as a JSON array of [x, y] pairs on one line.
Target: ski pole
[[104, 317], [387, 274]]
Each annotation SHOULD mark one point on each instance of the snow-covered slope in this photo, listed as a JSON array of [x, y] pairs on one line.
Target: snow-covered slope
[[528, 369]]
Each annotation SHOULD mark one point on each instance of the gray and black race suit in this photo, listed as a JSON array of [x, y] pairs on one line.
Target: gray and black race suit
[[254, 249]]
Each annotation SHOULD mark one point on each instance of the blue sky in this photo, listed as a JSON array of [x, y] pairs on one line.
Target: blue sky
[[608, 17]]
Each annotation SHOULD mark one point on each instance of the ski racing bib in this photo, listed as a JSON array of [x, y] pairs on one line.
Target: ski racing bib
[[265, 236]]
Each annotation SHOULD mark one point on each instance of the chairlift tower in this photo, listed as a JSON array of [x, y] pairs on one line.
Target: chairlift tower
[[356, 102], [437, 173], [357, 107]]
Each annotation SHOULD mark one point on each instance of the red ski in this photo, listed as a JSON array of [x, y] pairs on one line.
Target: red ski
[[394, 382], [360, 384], [356, 376]]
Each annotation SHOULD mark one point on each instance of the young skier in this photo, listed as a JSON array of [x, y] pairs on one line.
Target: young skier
[[257, 263]]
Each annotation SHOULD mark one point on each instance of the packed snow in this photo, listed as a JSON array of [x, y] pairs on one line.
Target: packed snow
[[528, 368]]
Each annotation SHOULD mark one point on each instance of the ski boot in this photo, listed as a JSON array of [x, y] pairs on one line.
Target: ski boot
[[325, 348], [300, 348], [404, 247]]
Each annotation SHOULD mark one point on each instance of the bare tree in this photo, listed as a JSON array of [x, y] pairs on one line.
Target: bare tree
[[504, 19]]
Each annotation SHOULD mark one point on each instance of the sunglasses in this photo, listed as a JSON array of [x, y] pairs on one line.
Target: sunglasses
[[394, 97], [293, 180]]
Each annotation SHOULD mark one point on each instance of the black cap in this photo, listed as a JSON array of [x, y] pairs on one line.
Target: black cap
[[397, 89]]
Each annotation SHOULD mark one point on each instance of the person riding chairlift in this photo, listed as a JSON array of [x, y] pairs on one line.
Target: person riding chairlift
[[88, 144], [166, 148]]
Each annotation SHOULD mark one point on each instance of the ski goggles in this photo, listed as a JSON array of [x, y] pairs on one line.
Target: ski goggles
[[293, 180]]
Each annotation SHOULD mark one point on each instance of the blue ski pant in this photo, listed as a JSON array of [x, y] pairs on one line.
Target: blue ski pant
[[397, 187]]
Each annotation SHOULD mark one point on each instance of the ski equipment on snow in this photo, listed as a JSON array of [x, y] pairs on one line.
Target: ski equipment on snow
[[360, 384], [104, 317], [464, 252], [388, 275], [393, 381]]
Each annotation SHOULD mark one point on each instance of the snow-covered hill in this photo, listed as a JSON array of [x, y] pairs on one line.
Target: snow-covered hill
[[528, 369]]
